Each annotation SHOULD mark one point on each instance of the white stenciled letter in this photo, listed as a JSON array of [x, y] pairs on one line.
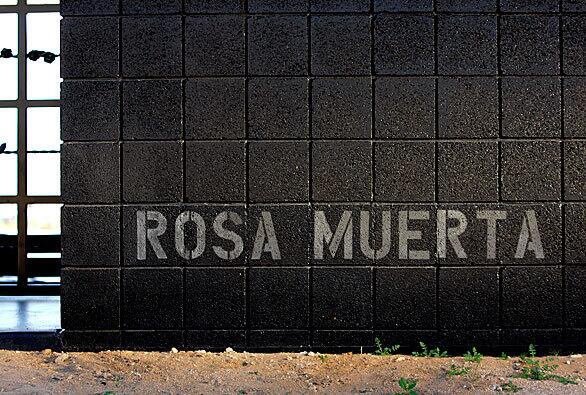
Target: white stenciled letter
[[385, 248], [152, 235], [405, 234], [266, 238], [323, 232], [227, 234], [444, 233], [529, 238], [182, 219], [491, 217]]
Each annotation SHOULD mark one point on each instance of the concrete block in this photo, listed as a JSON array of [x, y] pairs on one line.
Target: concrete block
[[529, 44], [468, 172], [574, 107], [215, 298], [286, 179], [404, 171], [467, 44], [279, 298], [149, 298], [341, 108], [152, 171], [90, 172], [277, 45], [215, 171], [340, 5], [405, 298], [151, 7], [340, 45], [575, 296], [529, 5], [90, 110], [531, 170], [342, 171], [89, 47], [152, 110], [404, 44], [82, 242], [403, 5], [532, 297], [160, 55], [574, 30], [468, 297], [342, 298], [278, 108], [531, 107], [214, 45], [468, 107], [292, 225], [214, 108], [82, 307], [574, 176], [404, 108]]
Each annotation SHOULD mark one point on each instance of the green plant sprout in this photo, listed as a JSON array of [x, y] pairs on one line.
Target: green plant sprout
[[429, 353], [384, 351], [473, 356], [407, 385], [457, 371], [535, 370]]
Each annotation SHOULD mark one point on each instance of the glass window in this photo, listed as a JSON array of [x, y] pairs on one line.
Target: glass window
[[43, 175], [8, 218], [9, 128], [43, 34], [42, 1], [43, 129], [44, 219], [9, 175], [9, 67]]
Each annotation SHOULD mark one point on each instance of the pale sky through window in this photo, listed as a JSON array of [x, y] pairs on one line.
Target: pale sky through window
[[43, 129]]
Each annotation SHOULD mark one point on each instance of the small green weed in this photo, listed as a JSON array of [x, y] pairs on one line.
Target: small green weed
[[535, 370], [384, 351], [323, 357], [473, 356], [457, 371], [429, 353], [407, 385], [511, 387], [504, 356]]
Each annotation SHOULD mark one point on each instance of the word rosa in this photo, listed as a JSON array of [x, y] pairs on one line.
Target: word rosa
[[450, 225]]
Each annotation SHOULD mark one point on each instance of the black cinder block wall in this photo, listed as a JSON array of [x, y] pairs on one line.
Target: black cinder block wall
[[294, 107]]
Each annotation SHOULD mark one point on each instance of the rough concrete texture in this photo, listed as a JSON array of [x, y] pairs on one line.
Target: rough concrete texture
[[271, 174]]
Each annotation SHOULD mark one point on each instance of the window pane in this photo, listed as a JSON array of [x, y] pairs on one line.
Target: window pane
[[43, 175], [9, 128], [8, 2], [9, 67], [42, 1], [8, 217], [43, 129], [43, 35], [43, 219], [8, 243], [8, 174]]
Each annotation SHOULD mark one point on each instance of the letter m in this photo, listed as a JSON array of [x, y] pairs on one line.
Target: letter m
[[323, 233]]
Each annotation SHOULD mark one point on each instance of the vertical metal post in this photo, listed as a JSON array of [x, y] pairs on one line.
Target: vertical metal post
[[22, 145]]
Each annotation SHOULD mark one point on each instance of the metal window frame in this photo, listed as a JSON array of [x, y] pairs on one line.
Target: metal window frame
[[22, 104]]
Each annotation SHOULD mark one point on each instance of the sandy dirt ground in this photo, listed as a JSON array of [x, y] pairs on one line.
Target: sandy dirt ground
[[200, 372]]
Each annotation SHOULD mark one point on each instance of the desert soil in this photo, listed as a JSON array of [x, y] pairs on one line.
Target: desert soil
[[200, 372]]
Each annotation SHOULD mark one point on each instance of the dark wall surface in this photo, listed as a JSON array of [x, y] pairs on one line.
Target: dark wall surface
[[421, 164]]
